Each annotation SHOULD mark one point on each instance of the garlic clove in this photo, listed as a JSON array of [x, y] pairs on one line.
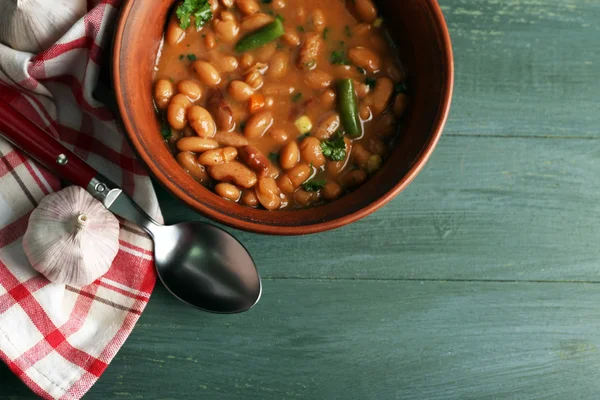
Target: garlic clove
[[33, 25], [71, 237]]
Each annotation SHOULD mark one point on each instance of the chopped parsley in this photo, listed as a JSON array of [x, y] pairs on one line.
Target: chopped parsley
[[297, 97], [266, 1], [314, 185], [165, 131], [181, 56], [370, 81], [199, 9], [192, 57], [334, 148], [339, 58], [361, 70], [300, 28], [325, 33], [274, 157]]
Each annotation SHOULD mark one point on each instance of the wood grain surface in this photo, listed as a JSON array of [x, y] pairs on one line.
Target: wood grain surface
[[480, 281]]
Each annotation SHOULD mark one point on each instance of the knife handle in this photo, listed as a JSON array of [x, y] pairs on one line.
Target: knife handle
[[30, 138]]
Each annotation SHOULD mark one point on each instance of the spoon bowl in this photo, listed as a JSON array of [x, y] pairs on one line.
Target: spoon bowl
[[206, 267]]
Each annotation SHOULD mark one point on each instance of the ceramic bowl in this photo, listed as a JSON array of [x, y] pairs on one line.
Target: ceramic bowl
[[421, 34]]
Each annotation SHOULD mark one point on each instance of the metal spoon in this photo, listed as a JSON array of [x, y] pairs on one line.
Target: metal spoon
[[199, 263]]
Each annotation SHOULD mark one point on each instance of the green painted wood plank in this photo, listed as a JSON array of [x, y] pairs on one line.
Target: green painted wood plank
[[483, 208], [525, 67], [365, 340]]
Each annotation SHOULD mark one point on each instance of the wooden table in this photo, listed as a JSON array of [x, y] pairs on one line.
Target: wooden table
[[481, 280]]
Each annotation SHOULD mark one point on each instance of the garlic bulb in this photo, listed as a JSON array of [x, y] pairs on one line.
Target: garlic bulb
[[33, 25], [71, 237]]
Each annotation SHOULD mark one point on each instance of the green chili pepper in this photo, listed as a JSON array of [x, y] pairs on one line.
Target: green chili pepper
[[261, 37], [348, 108]]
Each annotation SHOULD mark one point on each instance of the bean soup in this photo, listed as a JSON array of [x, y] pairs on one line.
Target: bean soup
[[279, 104]]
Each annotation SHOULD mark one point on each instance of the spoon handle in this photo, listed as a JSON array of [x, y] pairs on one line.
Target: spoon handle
[[30, 138]]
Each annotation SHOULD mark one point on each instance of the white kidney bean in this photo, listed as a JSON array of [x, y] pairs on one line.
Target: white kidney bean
[[318, 79], [380, 96], [354, 179], [207, 73], [163, 93], [331, 191], [174, 33], [247, 7], [240, 91], [220, 156], [228, 191], [234, 172], [268, 193], [310, 150], [304, 198], [249, 198], [196, 144], [254, 79], [299, 174], [228, 30], [328, 99], [289, 155], [190, 164], [327, 126], [365, 58], [278, 66], [279, 135], [202, 122], [365, 10], [190, 89], [360, 155], [255, 21], [258, 125], [291, 37], [317, 20], [230, 139], [210, 41]]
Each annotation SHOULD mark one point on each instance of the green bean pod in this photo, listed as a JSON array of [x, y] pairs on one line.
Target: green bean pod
[[261, 37], [348, 108]]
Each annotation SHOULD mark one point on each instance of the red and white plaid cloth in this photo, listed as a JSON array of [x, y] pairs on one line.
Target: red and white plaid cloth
[[59, 339]]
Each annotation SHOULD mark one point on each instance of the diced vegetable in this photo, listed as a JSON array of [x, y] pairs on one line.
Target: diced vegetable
[[259, 38], [304, 124], [374, 163], [348, 108], [257, 102], [199, 9]]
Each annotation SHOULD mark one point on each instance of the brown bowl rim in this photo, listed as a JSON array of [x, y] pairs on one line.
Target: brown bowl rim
[[294, 230]]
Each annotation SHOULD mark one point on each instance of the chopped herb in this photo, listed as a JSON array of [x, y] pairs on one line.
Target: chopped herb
[[314, 185], [243, 126], [400, 87], [361, 70], [203, 36], [274, 157], [271, 12], [303, 136], [199, 9], [266, 1], [300, 28], [325, 33], [371, 81], [279, 45], [165, 131], [297, 97], [347, 31], [192, 57], [339, 58], [334, 148], [181, 56]]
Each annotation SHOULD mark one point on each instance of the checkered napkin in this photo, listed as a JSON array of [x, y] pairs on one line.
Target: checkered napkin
[[59, 339]]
